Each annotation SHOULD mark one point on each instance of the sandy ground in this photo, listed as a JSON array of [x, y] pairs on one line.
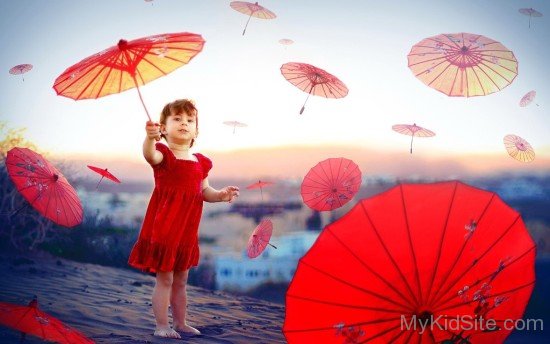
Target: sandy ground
[[112, 305]]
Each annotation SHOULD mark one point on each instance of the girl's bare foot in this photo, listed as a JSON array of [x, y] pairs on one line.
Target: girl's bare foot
[[166, 332], [187, 329]]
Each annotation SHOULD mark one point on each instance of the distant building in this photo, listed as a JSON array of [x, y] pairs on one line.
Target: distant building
[[240, 273]]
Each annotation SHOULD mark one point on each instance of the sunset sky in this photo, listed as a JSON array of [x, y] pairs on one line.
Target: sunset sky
[[364, 43]]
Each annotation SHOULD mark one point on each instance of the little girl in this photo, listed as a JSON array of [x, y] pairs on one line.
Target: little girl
[[168, 240]]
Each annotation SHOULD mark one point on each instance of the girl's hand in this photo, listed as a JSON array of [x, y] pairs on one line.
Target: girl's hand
[[229, 193], [152, 130]]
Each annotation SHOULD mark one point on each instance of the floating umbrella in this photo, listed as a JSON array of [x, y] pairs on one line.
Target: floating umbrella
[[259, 239], [413, 255], [31, 320], [104, 173], [286, 41], [412, 130], [330, 184], [235, 124], [259, 185], [463, 64], [252, 10], [518, 148], [127, 65], [531, 12], [314, 81], [528, 98], [44, 187], [20, 69]]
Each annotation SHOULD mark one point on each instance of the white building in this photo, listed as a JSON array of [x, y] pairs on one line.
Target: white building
[[238, 272]]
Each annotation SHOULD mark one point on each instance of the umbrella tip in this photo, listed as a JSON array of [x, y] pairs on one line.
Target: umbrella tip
[[122, 44], [34, 302]]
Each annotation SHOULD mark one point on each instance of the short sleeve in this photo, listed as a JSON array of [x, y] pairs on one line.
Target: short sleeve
[[206, 164], [165, 152]]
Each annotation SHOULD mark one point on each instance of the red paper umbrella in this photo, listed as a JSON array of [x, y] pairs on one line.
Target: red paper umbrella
[[31, 320], [259, 185], [313, 81], [20, 69], [463, 64], [330, 184], [235, 124], [286, 41], [531, 12], [416, 254], [44, 187], [104, 173], [127, 65], [252, 10], [412, 130], [528, 98], [518, 148], [259, 239]]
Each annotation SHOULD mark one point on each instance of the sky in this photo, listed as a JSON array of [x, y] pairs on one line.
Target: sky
[[364, 43]]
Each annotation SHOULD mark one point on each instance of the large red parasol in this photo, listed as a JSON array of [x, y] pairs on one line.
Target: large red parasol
[[44, 187], [314, 81], [330, 184], [252, 10], [104, 173], [412, 130], [518, 148], [31, 320], [259, 239], [463, 64], [415, 254], [127, 65], [20, 69]]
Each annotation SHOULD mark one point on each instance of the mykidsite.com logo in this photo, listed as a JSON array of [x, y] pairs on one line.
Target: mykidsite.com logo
[[467, 323]]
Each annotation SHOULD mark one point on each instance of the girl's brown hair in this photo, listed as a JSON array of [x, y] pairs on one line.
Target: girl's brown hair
[[177, 107]]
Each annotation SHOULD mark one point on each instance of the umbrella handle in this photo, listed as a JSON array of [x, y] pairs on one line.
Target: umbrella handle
[[141, 98], [304, 106], [97, 186], [412, 138], [275, 247], [247, 23]]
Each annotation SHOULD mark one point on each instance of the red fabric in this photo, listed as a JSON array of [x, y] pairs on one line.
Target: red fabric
[[168, 240]]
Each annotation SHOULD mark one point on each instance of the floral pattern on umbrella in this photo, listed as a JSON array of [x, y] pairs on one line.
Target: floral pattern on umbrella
[[518, 148]]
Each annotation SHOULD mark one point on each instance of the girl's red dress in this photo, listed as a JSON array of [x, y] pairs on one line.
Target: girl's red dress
[[168, 240]]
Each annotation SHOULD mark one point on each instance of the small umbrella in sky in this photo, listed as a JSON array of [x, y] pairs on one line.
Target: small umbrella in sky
[[235, 124], [20, 69], [286, 41], [252, 10], [531, 12], [412, 130], [259, 185], [518, 148], [528, 98], [104, 173], [259, 239]]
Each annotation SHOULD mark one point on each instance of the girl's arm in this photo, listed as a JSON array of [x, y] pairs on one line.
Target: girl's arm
[[150, 153], [227, 194]]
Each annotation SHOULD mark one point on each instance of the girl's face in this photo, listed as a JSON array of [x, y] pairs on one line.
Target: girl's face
[[180, 128]]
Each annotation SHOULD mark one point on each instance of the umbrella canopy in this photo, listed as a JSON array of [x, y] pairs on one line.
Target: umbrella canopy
[[528, 98], [31, 320], [415, 254], [531, 12], [259, 239], [463, 64], [259, 185], [313, 80], [330, 184], [104, 173], [252, 10], [127, 65], [412, 130], [235, 124], [518, 148], [20, 69], [44, 187], [286, 41]]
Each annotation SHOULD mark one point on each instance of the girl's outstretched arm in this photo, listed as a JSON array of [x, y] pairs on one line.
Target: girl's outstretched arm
[[150, 153], [227, 194]]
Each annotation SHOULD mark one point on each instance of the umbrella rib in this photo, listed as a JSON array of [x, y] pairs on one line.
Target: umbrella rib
[[104, 81], [344, 305], [378, 321], [437, 299], [416, 267], [441, 243], [454, 81], [461, 250], [396, 266], [379, 334], [479, 81], [91, 80], [442, 58], [479, 280], [437, 77], [328, 229], [76, 79]]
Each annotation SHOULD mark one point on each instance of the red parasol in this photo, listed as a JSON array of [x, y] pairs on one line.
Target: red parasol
[[104, 173], [463, 64], [44, 187], [417, 254], [259, 185], [20, 69], [528, 98], [252, 9], [313, 81], [412, 130], [235, 124], [127, 65], [531, 12], [330, 184], [260, 239], [31, 320], [518, 148]]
